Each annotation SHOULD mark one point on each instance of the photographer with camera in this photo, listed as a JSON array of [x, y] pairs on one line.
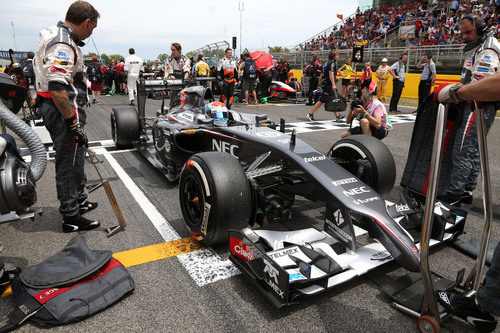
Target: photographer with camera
[[372, 117]]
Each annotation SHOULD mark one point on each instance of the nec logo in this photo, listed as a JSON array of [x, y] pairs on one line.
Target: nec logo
[[314, 158], [225, 147], [356, 191]]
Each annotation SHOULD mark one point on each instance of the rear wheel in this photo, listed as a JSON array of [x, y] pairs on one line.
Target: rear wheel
[[125, 127], [368, 159], [215, 196]]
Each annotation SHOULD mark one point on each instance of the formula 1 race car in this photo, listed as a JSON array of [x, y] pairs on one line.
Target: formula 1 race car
[[242, 170]]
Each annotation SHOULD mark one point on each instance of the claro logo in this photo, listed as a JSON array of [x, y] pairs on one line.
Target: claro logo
[[225, 147]]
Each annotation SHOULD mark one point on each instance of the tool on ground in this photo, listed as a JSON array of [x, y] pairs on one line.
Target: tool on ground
[[94, 160]]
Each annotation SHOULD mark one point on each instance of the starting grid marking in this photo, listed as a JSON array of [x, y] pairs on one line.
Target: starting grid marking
[[204, 265], [328, 125]]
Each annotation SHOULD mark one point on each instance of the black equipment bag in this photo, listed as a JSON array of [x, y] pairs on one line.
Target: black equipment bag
[[73, 284], [336, 103], [416, 173]]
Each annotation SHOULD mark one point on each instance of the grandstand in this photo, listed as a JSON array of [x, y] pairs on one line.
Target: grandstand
[[402, 23], [386, 28]]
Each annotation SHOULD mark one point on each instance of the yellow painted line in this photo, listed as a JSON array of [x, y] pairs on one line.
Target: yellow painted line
[[150, 253], [156, 252]]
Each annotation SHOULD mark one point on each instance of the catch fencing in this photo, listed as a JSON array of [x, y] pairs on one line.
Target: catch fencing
[[449, 59]]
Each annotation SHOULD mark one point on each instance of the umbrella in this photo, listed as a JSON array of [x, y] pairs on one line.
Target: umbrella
[[265, 60]]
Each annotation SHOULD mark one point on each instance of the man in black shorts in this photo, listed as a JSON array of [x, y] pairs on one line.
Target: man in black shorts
[[327, 84], [372, 118]]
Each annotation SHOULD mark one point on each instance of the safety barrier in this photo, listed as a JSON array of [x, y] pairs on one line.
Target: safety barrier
[[449, 59], [411, 82]]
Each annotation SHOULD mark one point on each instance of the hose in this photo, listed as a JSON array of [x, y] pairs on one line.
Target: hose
[[29, 137]]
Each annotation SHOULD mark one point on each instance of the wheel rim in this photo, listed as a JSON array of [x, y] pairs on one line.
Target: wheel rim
[[193, 200], [348, 159]]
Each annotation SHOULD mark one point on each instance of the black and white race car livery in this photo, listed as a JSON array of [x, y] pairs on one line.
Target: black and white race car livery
[[244, 172]]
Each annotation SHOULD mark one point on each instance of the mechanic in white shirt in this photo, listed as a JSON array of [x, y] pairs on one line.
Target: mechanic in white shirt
[[133, 67]]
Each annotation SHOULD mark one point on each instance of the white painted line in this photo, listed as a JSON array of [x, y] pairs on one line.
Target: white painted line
[[205, 266], [160, 223]]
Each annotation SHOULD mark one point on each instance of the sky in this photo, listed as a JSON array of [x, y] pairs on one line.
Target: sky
[[151, 26]]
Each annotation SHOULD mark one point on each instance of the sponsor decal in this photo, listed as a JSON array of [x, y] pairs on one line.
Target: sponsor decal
[[64, 63], [484, 64], [187, 116], [296, 276], [224, 146], [283, 253], [240, 249], [24, 309], [61, 55], [189, 131], [478, 76], [381, 256], [482, 69], [444, 297], [314, 158], [469, 62], [486, 58], [220, 122], [206, 215], [363, 201], [273, 278], [355, 191], [344, 181], [339, 232], [268, 134], [46, 293], [54, 69], [402, 208]]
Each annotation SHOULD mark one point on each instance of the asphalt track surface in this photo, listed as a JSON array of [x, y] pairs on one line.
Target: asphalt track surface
[[201, 291]]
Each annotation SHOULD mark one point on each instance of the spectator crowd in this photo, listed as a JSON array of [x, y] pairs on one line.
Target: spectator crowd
[[435, 23]]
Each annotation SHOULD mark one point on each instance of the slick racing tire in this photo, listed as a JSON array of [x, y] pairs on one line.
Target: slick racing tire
[[355, 152], [125, 127], [214, 196]]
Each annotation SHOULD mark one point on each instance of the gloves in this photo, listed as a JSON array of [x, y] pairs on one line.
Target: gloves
[[447, 93], [77, 131]]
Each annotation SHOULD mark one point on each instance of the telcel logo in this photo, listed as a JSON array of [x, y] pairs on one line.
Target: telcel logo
[[314, 158], [225, 147]]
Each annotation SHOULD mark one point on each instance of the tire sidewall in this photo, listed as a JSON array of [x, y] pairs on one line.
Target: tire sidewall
[[230, 199], [383, 168]]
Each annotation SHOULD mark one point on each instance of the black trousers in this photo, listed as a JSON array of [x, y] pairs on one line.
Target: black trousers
[[313, 85], [227, 93], [70, 173], [424, 89], [397, 89]]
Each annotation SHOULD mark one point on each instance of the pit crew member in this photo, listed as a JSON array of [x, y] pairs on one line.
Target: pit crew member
[[228, 71], [60, 83], [133, 67]]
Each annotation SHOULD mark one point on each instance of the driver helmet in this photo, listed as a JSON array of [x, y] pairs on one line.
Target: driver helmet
[[219, 112]]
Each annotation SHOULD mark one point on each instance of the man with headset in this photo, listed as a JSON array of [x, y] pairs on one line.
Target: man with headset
[[478, 309], [482, 60]]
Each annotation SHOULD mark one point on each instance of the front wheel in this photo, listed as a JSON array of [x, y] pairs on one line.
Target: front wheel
[[215, 196], [367, 158], [125, 126]]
